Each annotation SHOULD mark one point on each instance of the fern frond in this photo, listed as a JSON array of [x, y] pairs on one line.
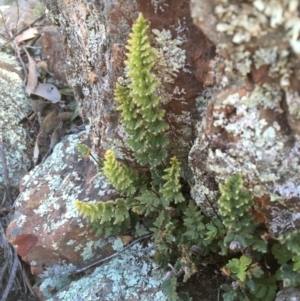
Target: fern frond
[[119, 175], [171, 189], [142, 117], [122, 212]]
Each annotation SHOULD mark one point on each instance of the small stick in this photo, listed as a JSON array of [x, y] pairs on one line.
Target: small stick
[[18, 15], [12, 276], [96, 262], [27, 281], [17, 49], [5, 170]]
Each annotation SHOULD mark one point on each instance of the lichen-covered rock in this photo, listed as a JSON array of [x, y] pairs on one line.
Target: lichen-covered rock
[[14, 107], [251, 123], [46, 228], [95, 35], [131, 276], [289, 294], [259, 22], [53, 52]]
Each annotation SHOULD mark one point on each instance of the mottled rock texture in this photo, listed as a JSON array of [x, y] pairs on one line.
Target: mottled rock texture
[[95, 36], [46, 228], [14, 107], [251, 123], [131, 276], [289, 294], [53, 52]]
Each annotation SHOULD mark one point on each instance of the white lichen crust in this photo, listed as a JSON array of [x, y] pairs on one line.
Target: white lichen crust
[[252, 119]]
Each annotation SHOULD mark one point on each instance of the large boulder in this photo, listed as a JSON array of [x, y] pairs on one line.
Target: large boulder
[[95, 37], [251, 123], [14, 107], [46, 228], [131, 276]]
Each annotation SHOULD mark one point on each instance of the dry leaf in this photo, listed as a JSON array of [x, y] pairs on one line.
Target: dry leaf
[[36, 151], [49, 123], [38, 105], [42, 66], [55, 138], [66, 116], [28, 34], [48, 91], [32, 79]]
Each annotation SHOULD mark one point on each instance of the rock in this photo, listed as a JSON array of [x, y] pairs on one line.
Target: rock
[[250, 125], [52, 51], [95, 38], [14, 107], [289, 294], [46, 228], [257, 23], [131, 276]]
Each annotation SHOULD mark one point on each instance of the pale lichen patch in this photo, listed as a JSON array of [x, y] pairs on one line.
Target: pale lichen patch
[[131, 275], [14, 107]]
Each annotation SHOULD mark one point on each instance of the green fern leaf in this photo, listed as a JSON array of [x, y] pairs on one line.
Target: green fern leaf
[[239, 267], [142, 117], [171, 189], [108, 212], [121, 211], [119, 175], [84, 150], [148, 202], [169, 287], [281, 253]]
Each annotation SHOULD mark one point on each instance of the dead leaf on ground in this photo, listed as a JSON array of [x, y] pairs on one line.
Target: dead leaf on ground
[[36, 150], [32, 79], [48, 91], [38, 105], [66, 116], [42, 66], [55, 138], [49, 123], [28, 34]]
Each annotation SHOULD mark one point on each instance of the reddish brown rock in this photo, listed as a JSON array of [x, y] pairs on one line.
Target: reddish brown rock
[[46, 228], [95, 38], [251, 123], [54, 54]]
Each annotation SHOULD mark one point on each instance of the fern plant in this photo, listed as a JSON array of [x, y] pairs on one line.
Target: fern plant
[[235, 205], [139, 106], [250, 283], [287, 254], [154, 202]]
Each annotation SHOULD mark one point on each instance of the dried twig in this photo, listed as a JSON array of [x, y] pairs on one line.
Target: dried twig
[[17, 49], [2, 270], [12, 276], [27, 281], [18, 15], [5, 170], [98, 261]]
